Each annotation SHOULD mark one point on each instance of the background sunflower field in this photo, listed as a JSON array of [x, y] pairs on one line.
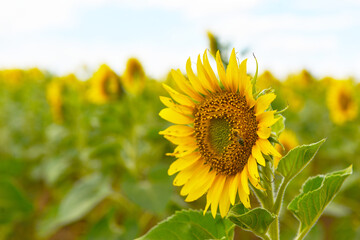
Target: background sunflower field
[[81, 156]]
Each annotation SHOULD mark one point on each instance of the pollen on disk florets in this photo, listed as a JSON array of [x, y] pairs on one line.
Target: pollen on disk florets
[[225, 130]]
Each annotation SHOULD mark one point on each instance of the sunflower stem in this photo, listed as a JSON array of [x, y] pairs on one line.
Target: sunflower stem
[[279, 197], [269, 203]]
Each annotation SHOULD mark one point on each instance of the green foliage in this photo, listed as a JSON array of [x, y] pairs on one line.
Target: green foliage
[[81, 199], [190, 224], [256, 220], [14, 205], [315, 195], [295, 161]]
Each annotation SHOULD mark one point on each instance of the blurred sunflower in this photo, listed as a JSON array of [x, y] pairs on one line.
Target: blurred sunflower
[[288, 140], [104, 86], [12, 77], [221, 132], [267, 80], [54, 97], [302, 80], [134, 76], [341, 102]]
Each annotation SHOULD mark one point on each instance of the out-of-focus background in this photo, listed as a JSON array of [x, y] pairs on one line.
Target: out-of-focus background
[[80, 154]]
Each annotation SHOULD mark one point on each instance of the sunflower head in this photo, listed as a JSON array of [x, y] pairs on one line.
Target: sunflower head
[[54, 96], [221, 131], [341, 102], [104, 85], [266, 80], [134, 77]]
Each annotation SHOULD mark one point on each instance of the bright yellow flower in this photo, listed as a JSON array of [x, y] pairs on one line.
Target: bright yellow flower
[[289, 141], [134, 76], [341, 102], [221, 131], [104, 86], [267, 80], [55, 99], [301, 80], [12, 77]]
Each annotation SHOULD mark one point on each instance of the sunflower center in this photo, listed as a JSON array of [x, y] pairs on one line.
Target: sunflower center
[[225, 129], [219, 134], [344, 100]]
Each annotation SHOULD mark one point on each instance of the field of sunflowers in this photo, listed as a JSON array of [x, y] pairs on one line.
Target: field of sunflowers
[[85, 160]]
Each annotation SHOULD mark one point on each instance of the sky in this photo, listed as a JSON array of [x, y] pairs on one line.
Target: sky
[[322, 36]]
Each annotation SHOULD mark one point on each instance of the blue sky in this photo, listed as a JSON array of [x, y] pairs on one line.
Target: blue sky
[[286, 36]]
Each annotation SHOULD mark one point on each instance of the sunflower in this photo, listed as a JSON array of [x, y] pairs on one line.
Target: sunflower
[[134, 76], [104, 85], [54, 95], [288, 141], [341, 102], [267, 80], [221, 131]]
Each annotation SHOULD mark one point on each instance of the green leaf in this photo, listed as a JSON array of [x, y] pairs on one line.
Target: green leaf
[[13, 204], [256, 220], [279, 126], [190, 224], [80, 200], [152, 193], [316, 194], [83, 197], [296, 159]]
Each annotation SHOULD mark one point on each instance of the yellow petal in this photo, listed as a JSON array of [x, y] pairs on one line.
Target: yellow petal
[[178, 97], [266, 119], [255, 183], [174, 117], [183, 176], [221, 72], [196, 180], [267, 148], [255, 151], [253, 168], [242, 76], [178, 108], [233, 187], [224, 203], [182, 150], [214, 193], [178, 131], [183, 162], [264, 132], [244, 180], [186, 141], [203, 76], [248, 93], [210, 73], [185, 86], [197, 192], [244, 198], [232, 72], [263, 102], [194, 80]]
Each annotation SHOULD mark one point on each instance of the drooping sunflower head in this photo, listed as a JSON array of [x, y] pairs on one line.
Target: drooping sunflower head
[[341, 102], [221, 131], [104, 85], [134, 77]]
